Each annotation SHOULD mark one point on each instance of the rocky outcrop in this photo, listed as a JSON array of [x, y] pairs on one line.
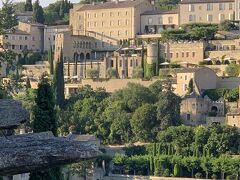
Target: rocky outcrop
[[36, 151]]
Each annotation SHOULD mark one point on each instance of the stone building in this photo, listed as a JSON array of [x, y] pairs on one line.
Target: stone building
[[50, 35], [195, 109], [109, 22], [75, 48], [183, 51], [155, 21], [25, 37], [206, 11]]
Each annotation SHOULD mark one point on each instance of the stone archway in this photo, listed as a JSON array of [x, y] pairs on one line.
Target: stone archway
[[88, 56], [81, 57]]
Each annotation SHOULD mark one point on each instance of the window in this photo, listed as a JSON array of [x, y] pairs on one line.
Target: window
[[185, 87], [188, 117], [149, 20], [192, 18], [160, 20], [126, 22], [119, 33], [95, 24], [230, 6], [131, 63], [170, 20], [186, 77], [111, 14], [111, 23], [221, 6], [120, 63], [187, 54], [13, 46], [171, 55], [119, 22], [126, 13], [193, 106], [209, 18], [26, 38], [119, 13], [191, 8], [95, 15], [126, 33], [176, 55], [193, 54], [182, 54], [221, 17], [209, 6]]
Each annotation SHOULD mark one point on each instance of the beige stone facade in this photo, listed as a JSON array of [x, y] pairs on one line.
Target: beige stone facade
[[206, 11], [26, 37], [74, 48], [233, 119], [154, 22], [109, 22], [184, 51], [195, 109], [50, 35], [203, 78]]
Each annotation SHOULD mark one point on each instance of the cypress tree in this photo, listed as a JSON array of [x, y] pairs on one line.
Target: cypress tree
[[38, 15], [62, 9], [28, 5], [50, 60], [59, 82], [44, 113], [45, 120]]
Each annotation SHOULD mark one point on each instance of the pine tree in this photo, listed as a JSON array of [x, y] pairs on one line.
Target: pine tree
[[28, 5], [50, 60], [59, 82], [7, 18], [38, 14]]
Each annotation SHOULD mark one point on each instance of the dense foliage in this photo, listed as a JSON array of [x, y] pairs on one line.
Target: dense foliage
[[184, 152], [231, 95], [38, 15], [134, 113], [58, 12], [194, 31]]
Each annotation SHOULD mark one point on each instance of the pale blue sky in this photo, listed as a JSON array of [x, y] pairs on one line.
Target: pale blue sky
[[42, 2]]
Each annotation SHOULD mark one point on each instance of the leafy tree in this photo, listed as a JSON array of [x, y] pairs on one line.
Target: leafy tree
[[19, 7], [143, 121], [38, 15], [227, 25], [233, 70], [168, 109], [59, 82]]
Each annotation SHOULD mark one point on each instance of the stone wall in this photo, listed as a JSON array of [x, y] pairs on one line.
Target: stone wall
[[228, 82]]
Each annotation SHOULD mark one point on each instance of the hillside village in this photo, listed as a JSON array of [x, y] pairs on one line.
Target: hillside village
[[123, 72]]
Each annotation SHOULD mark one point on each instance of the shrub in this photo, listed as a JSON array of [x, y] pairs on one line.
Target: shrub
[[111, 73], [93, 73], [137, 72], [198, 175]]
